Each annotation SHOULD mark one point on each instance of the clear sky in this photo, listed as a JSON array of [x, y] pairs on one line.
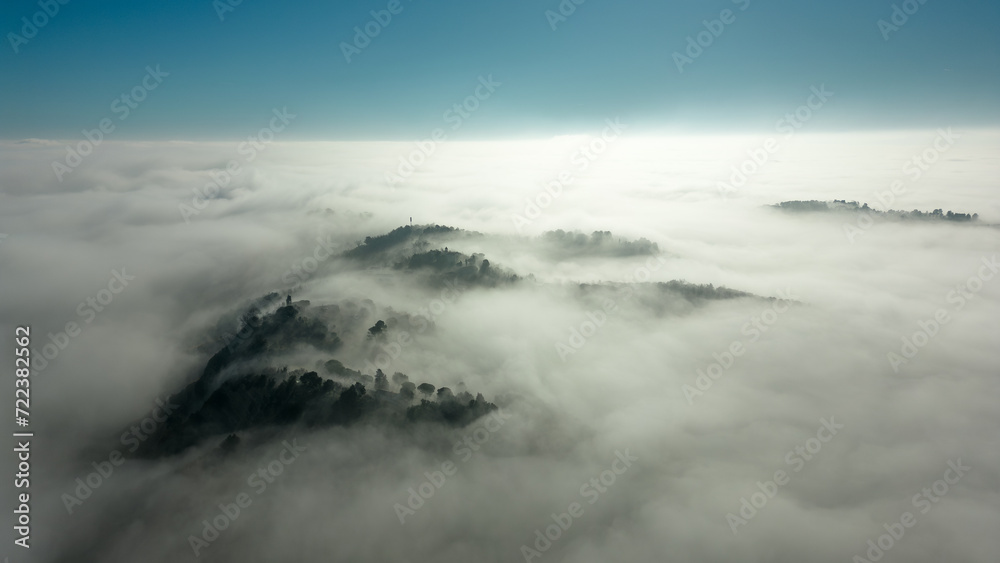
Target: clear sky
[[606, 58]]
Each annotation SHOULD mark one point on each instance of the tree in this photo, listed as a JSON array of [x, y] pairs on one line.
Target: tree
[[335, 367], [381, 381], [251, 318], [425, 388], [311, 379], [352, 394], [377, 329]]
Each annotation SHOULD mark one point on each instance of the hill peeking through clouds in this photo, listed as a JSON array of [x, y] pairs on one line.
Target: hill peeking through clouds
[[258, 376]]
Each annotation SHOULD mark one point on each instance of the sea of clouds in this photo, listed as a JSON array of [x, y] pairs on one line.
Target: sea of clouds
[[738, 430]]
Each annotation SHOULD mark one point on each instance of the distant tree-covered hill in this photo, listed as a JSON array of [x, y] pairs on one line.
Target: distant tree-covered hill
[[562, 244], [839, 205]]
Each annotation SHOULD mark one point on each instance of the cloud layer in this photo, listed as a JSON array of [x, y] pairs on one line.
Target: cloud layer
[[709, 400]]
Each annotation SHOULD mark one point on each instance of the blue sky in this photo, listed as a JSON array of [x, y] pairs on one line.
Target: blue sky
[[608, 58]]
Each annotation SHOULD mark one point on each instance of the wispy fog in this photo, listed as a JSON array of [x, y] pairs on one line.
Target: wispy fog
[[857, 359]]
